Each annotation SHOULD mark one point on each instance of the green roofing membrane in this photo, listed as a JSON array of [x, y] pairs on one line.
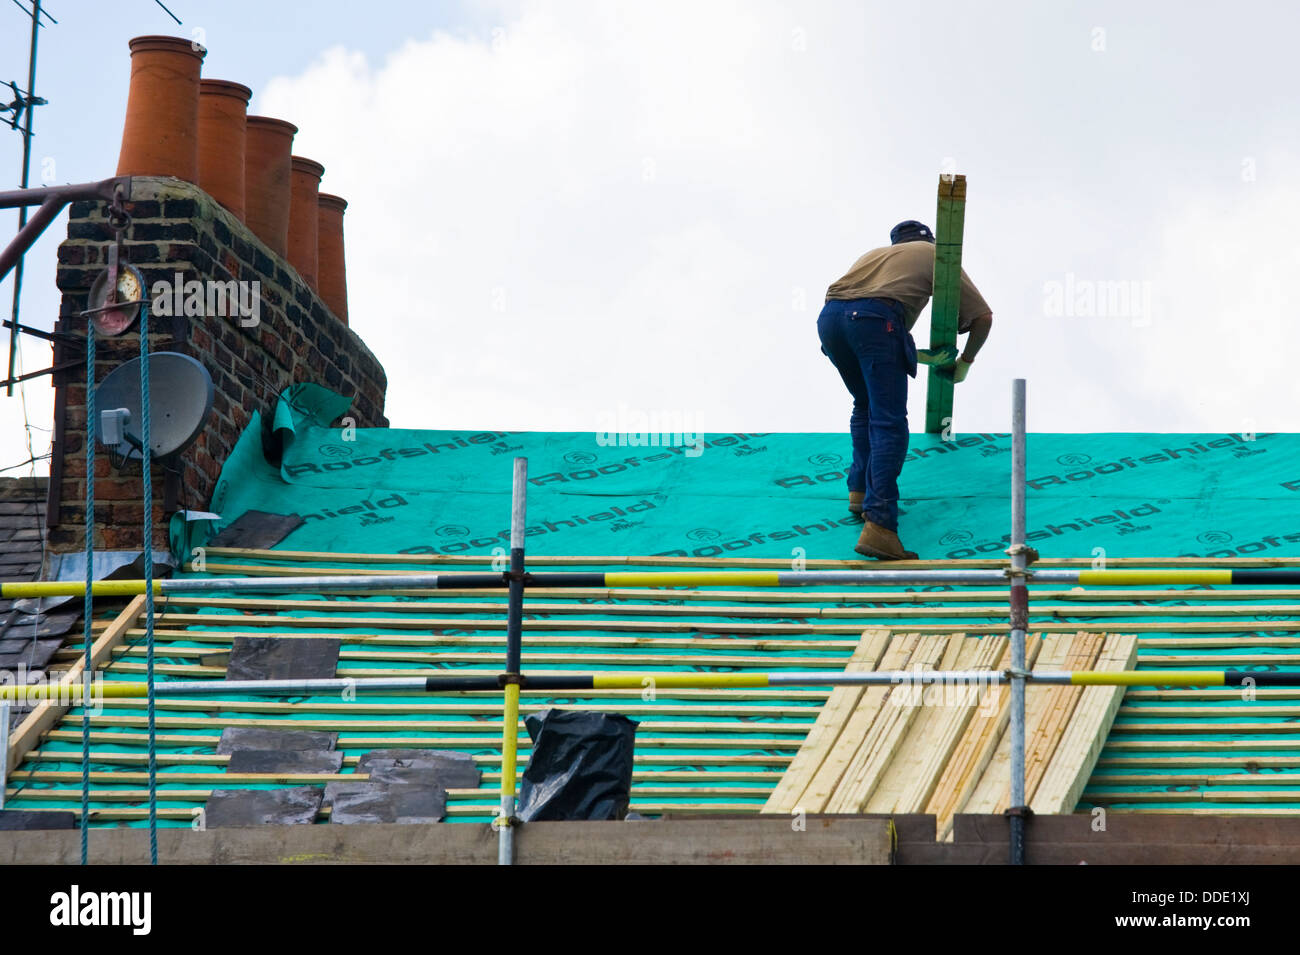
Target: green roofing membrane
[[434, 498], [758, 495]]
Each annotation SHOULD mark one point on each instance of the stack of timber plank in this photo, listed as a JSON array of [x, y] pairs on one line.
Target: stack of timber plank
[[947, 749]]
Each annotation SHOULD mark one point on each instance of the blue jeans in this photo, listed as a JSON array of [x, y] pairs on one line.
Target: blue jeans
[[868, 342]]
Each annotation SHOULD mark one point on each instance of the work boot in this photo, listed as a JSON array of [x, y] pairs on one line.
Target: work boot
[[876, 541], [855, 502]]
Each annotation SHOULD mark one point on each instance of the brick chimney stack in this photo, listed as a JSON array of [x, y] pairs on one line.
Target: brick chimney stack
[[194, 243]]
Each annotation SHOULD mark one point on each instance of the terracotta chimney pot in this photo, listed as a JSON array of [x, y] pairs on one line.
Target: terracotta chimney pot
[[331, 267], [223, 109], [267, 170], [161, 134], [303, 214]]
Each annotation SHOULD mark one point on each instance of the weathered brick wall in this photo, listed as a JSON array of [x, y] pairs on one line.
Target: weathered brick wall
[[176, 227]]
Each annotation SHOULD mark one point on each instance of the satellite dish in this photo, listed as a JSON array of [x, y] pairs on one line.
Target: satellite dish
[[180, 399]]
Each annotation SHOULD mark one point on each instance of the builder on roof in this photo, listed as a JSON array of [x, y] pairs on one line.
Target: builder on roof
[[865, 330]]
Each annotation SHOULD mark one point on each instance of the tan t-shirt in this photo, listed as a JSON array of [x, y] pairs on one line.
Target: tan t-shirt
[[905, 273]]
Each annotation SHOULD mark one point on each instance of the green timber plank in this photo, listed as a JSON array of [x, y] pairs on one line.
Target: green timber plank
[[950, 222]]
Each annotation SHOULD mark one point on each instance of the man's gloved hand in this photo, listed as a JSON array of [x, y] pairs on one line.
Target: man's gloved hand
[[955, 372], [943, 355]]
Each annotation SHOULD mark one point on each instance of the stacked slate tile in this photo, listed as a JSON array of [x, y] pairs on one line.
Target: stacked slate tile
[[404, 786]]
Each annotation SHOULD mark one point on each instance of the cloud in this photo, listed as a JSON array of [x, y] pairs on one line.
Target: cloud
[[1227, 339], [593, 204], [570, 211], [571, 207]]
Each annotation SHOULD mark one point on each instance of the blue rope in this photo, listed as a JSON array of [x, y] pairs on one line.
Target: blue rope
[[88, 606], [146, 465]]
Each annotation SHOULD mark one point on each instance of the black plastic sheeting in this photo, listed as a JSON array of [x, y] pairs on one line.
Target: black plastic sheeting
[[283, 658], [580, 768], [284, 761], [240, 737], [444, 768], [352, 803], [236, 808]]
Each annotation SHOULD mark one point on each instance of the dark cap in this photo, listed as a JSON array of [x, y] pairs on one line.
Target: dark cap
[[910, 231]]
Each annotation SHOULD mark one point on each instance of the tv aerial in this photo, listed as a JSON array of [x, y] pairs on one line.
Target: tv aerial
[[180, 400]]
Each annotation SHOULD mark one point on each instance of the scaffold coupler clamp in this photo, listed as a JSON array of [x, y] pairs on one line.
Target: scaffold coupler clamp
[[1024, 812], [1016, 673], [1031, 554]]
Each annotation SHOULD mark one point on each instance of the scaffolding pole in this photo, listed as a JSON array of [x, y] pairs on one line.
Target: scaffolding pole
[[4, 749], [594, 684], [1019, 601], [514, 654], [375, 583]]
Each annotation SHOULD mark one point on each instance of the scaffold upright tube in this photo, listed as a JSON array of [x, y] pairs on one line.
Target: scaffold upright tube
[[514, 651], [1019, 607]]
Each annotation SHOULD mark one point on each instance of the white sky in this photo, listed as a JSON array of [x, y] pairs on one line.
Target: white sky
[[563, 209]]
